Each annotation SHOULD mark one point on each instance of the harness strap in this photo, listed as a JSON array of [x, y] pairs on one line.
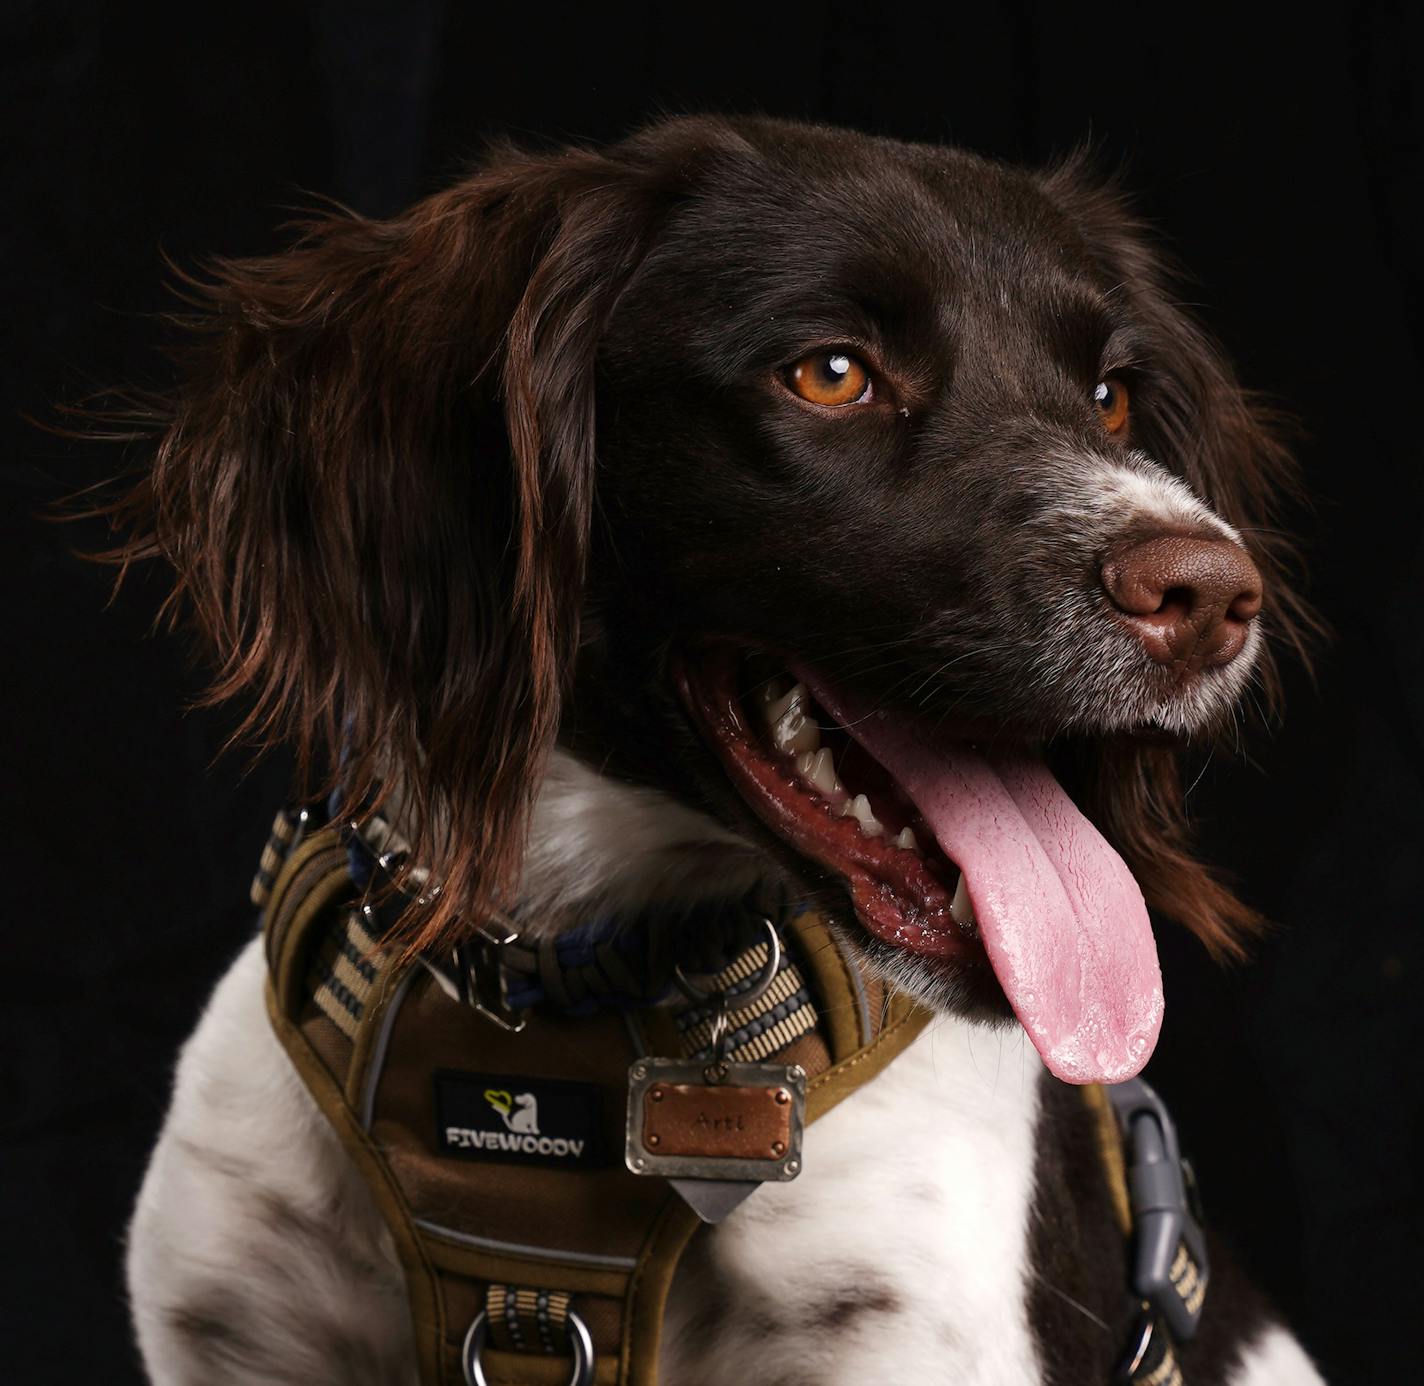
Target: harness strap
[[1110, 1148], [554, 1235], [525, 1320], [576, 1262]]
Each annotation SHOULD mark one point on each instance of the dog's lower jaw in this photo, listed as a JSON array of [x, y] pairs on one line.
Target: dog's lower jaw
[[970, 993]]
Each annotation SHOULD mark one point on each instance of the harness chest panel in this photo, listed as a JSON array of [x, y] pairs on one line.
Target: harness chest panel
[[493, 1154], [496, 1157]]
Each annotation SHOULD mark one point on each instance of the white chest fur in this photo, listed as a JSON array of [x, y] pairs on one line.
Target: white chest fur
[[900, 1254]]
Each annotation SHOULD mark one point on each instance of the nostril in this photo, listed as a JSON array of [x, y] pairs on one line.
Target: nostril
[[1246, 605], [1188, 600], [1179, 599], [1172, 609]]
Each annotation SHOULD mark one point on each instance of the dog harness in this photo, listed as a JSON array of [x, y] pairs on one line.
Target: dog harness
[[543, 1128]]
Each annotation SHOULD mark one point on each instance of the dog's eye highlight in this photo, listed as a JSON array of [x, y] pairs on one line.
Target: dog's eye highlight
[[1110, 396], [830, 377]]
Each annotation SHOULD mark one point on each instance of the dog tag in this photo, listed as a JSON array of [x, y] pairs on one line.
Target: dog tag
[[715, 1130]]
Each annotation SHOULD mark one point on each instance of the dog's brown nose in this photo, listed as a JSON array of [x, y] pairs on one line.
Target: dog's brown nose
[[1190, 601]]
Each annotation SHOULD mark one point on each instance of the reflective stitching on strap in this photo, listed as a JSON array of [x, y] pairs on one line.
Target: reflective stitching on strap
[[589, 1259], [776, 1019], [342, 973], [283, 833], [523, 1319]]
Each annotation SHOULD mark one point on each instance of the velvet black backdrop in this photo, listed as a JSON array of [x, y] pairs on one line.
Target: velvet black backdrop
[[1283, 160]]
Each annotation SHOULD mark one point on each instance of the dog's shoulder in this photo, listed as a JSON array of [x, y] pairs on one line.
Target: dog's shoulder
[[899, 1253], [255, 1251], [1078, 1267], [950, 1221], [953, 1221]]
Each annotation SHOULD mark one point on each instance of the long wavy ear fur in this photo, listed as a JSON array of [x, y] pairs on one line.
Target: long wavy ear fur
[[375, 488], [1229, 446]]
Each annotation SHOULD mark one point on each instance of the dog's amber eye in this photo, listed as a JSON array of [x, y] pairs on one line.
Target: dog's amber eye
[[830, 377], [1110, 396]]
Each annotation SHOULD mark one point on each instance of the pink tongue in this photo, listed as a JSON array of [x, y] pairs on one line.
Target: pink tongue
[[1061, 918]]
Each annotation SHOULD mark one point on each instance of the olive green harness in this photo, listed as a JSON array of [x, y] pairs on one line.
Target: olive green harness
[[502, 1161]]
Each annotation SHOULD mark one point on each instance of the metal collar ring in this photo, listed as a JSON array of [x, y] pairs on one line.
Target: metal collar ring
[[742, 1000]]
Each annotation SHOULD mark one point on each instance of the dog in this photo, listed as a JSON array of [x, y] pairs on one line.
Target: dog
[[745, 502]]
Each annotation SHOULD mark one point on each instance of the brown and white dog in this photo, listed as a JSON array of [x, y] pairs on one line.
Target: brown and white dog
[[748, 500]]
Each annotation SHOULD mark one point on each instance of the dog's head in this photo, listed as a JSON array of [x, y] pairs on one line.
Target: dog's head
[[812, 492]]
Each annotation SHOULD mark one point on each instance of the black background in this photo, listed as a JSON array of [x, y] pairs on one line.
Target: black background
[[1281, 159]]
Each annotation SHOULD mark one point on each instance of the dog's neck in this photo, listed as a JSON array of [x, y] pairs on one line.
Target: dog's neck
[[600, 847]]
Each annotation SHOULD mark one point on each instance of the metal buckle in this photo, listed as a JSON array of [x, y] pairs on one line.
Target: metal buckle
[[1170, 1268], [1151, 1358], [1138, 1344], [764, 979], [580, 1343], [479, 976]]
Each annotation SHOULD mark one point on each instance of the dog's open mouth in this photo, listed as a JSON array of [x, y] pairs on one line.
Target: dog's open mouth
[[956, 845]]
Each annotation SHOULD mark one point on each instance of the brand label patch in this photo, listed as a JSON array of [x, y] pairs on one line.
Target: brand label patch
[[498, 1116]]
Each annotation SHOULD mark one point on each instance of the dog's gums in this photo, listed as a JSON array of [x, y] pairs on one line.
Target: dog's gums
[[956, 845], [802, 775]]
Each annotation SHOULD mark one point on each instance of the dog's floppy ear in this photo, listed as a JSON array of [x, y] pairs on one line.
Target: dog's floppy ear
[[375, 487], [1192, 416]]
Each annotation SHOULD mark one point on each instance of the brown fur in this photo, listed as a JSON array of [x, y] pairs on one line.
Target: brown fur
[[375, 485], [320, 477]]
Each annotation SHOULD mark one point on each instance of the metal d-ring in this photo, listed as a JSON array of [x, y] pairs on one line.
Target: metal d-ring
[[1138, 1344], [579, 1342], [742, 1000]]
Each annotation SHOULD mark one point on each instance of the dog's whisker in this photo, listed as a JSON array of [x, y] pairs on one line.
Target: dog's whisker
[[1069, 1300]]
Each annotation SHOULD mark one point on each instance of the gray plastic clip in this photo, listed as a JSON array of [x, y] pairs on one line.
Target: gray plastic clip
[[1170, 1270]]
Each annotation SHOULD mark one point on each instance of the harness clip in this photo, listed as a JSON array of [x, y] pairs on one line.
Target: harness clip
[[1170, 1268]]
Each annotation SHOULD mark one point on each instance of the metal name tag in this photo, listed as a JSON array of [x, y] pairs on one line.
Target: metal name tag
[[729, 1121]]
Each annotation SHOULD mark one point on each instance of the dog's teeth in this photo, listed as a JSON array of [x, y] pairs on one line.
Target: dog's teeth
[[823, 772], [806, 766], [960, 908], [859, 809], [795, 733], [907, 840], [771, 690], [870, 825], [774, 709]]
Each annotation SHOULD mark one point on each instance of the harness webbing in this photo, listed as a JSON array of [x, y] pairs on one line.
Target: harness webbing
[[527, 1250], [367, 1034]]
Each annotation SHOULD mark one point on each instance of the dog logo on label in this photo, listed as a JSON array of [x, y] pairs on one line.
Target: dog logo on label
[[519, 1111]]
